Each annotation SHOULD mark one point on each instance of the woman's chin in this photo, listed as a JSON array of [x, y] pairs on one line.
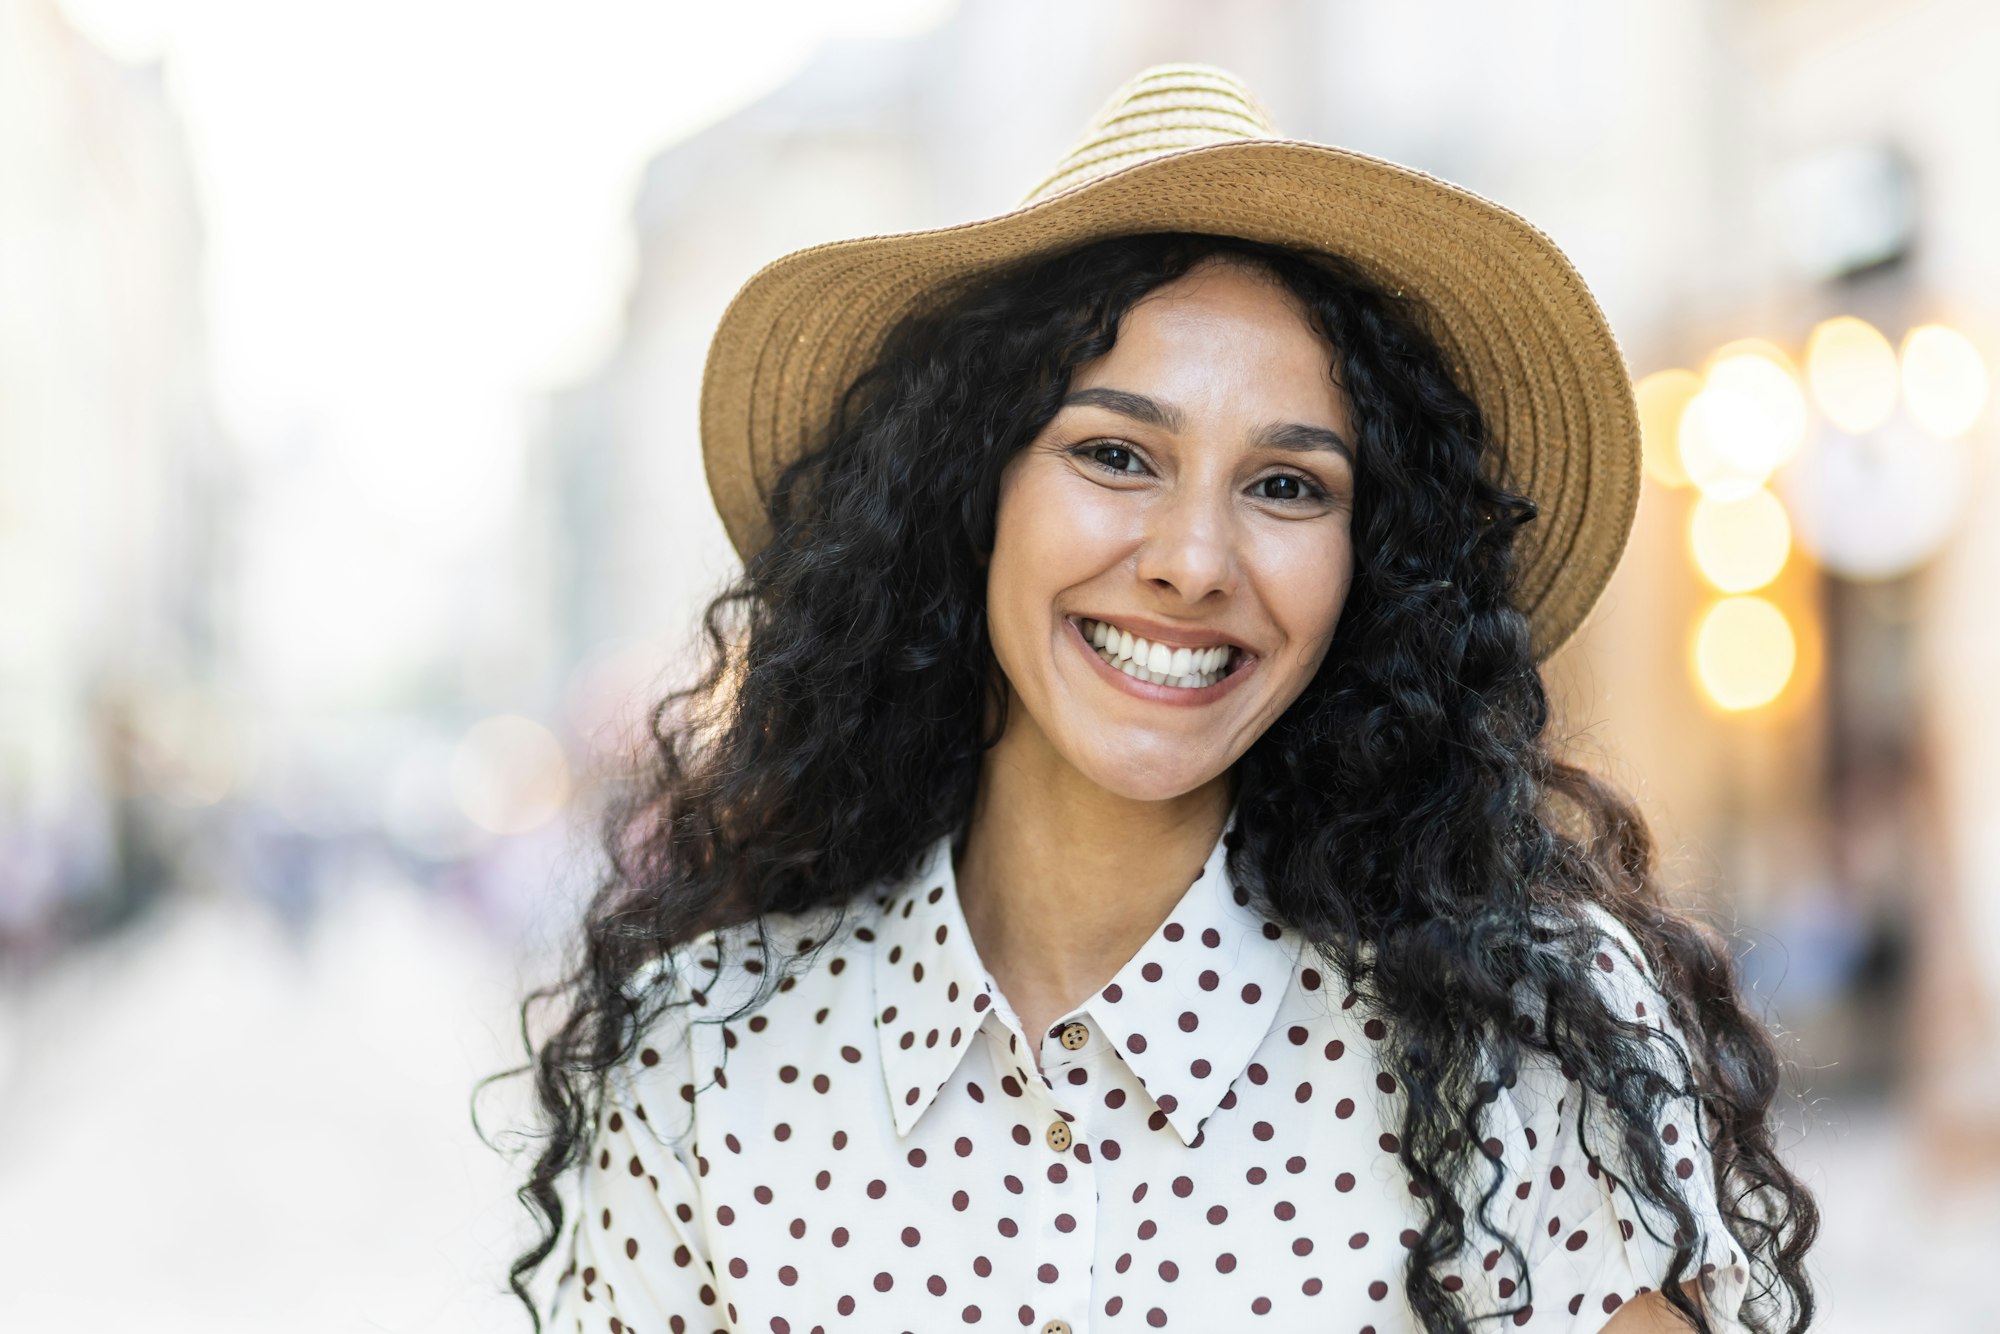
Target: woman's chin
[[1133, 781]]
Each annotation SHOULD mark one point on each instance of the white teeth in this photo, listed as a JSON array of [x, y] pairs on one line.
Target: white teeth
[[1188, 669]]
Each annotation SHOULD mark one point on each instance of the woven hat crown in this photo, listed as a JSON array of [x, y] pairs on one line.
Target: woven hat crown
[[1159, 110]]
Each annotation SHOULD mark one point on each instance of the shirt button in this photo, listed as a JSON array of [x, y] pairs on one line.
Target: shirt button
[[1056, 1327], [1058, 1135], [1074, 1035]]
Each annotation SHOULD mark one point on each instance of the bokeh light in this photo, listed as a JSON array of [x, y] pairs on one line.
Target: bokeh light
[[1709, 464], [1877, 506], [1944, 380], [1744, 653], [1740, 544], [1663, 396], [1851, 369], [509, 774], [1749, 418]]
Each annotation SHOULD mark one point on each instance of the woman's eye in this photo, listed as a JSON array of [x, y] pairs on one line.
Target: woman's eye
[[1120, 456], [1299, 487]]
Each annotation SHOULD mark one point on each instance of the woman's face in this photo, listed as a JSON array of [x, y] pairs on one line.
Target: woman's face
[[1194, 493]]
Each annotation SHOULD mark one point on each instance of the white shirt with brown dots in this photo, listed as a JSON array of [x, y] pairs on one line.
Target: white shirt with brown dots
[[1208, 1144]]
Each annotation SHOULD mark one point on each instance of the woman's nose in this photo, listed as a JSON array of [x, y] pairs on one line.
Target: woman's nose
[[1188, 550]]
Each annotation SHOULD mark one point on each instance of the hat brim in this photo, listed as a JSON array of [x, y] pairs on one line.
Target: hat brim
[[1515, 321]]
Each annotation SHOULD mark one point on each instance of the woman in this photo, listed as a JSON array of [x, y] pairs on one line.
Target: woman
[[1112, 873]]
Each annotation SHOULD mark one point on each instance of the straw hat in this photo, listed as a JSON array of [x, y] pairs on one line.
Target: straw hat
[[1187, 148]]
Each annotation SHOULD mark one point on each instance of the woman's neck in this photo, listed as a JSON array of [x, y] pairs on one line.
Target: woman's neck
[[1062, 881]]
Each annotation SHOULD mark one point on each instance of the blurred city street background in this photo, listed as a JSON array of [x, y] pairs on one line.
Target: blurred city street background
[[352, 512]]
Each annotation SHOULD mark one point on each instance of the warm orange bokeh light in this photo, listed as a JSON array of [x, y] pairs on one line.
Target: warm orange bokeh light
[[1663, 396], [1742, 544], [1744, 653], [1851, 367], [1944, 380]]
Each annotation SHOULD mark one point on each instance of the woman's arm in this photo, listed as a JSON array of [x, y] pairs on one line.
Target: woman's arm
[[637, 1256]]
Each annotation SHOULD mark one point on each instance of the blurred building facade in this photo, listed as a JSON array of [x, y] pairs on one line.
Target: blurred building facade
[[114, 489]]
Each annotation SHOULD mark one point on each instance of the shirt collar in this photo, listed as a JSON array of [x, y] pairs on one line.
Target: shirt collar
[[1186, 1012]]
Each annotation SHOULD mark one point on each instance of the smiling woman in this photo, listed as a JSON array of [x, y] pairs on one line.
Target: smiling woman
[[1112, 873]]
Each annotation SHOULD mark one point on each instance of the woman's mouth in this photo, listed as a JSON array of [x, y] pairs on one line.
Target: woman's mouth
[[1177, 668]]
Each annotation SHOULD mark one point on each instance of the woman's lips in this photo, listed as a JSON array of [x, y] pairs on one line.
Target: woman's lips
[[1187, 696]]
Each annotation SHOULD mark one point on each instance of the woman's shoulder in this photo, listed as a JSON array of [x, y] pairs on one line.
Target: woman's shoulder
[[724, 967], [780, 974]]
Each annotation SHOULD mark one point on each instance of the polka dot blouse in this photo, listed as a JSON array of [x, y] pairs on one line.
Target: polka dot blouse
[[1207, 1144]]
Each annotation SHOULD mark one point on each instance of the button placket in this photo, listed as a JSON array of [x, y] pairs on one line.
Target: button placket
[[1066, 1228]]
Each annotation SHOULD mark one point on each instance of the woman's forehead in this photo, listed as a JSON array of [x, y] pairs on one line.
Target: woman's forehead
[[1223, 340]]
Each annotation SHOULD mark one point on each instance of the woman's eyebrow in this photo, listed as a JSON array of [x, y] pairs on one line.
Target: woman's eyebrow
[[1294, 436], [1128, 404], [1297, 436]]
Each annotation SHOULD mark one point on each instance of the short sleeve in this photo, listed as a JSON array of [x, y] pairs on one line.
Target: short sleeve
[[1591, 1244], [638, 1262]]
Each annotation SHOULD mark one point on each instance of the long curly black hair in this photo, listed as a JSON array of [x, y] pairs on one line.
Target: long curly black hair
[[1408, 813]]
